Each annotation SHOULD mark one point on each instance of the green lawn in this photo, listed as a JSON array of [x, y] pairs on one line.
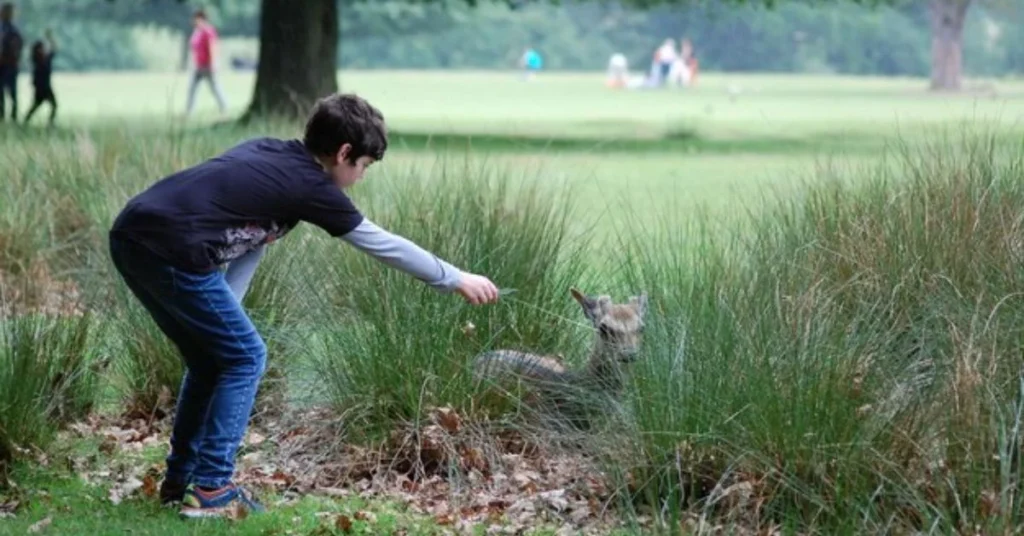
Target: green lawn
[[722, 106], [717, 143], [609, 187], [579, 105]]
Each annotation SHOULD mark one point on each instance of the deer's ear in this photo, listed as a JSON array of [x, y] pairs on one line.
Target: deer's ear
[[591, 307], [640, 303]]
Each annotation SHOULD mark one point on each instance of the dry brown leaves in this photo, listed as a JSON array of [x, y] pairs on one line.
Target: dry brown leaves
[[126, 435], [129, 478], [8, 507], [447, 469], [36, 290], [343, 522], [40, 525], [444, 470]]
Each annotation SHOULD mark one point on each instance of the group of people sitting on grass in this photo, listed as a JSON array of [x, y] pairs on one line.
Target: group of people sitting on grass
[[41, 55], [669, 67]]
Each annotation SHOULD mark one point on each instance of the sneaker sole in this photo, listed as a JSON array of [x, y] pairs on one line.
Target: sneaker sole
[[203, 513]]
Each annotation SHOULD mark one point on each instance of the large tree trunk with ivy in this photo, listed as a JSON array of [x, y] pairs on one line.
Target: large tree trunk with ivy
[[298, 56], [947, 18]]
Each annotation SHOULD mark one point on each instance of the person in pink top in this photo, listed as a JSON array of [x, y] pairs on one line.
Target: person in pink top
[[203, 43]]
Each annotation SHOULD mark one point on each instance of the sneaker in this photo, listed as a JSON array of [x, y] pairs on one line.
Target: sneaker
[[171, 491], [199, 504]]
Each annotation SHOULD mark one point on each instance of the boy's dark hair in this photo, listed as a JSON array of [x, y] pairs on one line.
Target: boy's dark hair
[[199, 13], [346, 118]]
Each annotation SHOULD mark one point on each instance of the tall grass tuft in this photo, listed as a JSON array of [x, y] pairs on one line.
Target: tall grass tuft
[[388, 346], [853, 365], [49, 369], [275, 307], [150, 368]]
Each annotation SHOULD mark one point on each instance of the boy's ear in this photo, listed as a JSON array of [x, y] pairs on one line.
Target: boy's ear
[[343, 153]]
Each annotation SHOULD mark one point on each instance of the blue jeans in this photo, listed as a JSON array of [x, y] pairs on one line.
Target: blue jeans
[[224, 358]]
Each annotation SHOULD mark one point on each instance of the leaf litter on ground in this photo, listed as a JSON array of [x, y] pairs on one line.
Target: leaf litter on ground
[[440, 470]]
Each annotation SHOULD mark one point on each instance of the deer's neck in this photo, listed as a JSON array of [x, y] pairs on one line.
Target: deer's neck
[[603, 371]]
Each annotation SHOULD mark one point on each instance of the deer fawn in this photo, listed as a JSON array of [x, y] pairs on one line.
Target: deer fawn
[[618, 331]]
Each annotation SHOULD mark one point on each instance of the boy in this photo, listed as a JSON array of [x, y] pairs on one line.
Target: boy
[[169, 242], [42, 72]]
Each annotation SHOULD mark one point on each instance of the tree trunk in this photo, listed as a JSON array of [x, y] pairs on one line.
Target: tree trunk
[[947, 18], [298, 57]]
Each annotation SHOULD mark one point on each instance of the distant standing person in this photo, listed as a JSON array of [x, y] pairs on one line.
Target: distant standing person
[[10, 57], [42, 71], [530, 62], [203, 43]]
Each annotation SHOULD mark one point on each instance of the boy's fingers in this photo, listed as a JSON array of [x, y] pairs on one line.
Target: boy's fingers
[[483, 291]]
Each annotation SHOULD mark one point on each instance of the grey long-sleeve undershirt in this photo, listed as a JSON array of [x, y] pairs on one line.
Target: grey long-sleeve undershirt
[[240, 271], [403, 254], [386, 247]]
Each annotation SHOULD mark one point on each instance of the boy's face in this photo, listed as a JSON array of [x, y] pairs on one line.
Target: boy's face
[[346, 172]]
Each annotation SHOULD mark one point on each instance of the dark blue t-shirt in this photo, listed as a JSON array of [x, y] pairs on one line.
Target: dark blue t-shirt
[[215, 212]]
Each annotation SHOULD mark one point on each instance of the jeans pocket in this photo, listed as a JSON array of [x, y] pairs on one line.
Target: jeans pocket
[[139, 264]]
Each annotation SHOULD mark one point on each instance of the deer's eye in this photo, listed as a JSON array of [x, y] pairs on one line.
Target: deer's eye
[[606, 332]]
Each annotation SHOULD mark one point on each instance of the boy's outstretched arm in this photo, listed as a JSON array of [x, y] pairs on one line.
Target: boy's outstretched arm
[[403, 254]]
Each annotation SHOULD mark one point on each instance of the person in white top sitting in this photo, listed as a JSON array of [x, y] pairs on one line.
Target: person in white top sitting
[[618, 71]]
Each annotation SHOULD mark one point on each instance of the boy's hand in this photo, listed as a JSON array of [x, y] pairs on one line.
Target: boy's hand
[[477, 289]]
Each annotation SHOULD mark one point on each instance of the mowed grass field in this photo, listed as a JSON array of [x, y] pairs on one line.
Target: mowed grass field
[[717, 144], [723, 106]]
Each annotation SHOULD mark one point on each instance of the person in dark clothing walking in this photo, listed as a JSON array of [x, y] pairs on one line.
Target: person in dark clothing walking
[[42, 69], [10, 57]]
